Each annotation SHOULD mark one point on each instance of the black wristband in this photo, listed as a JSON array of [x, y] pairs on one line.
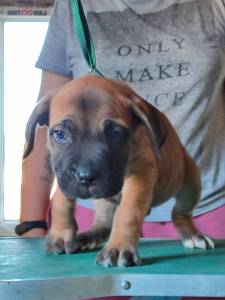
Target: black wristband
[[28, 225]]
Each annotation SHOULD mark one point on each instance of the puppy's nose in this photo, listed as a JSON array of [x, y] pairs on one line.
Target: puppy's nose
[[85, 176]]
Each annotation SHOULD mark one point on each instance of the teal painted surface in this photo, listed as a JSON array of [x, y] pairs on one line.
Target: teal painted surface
[[25, 258]]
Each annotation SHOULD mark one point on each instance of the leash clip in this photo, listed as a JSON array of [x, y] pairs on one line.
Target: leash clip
[[91, 69]]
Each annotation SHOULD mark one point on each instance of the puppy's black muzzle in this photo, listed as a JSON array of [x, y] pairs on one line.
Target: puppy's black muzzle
[[91, 179], [85, 175], [94, 167]]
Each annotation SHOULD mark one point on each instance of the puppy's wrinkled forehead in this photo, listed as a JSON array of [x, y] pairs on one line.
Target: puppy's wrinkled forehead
[[87, 103]]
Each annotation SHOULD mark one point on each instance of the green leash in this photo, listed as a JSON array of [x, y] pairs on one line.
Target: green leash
[[84, 36]]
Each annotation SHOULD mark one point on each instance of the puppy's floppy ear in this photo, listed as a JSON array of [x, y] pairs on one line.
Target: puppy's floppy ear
[[152, 118], [39, 116]]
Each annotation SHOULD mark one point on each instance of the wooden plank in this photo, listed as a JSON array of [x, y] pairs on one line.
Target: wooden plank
[[168, 269]]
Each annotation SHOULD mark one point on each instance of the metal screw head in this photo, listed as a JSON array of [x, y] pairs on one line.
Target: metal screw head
[[126, 285]]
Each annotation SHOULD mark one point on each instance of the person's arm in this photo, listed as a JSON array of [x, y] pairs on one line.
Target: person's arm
[[36, 176]]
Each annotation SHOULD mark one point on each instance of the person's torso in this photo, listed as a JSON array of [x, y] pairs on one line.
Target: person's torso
[[172, 54]]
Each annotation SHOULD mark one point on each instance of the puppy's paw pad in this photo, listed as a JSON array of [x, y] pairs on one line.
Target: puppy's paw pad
[[89, 240], [118, 257], [56, 247], [86, 241], [107, 258], [210, 242], [128, 258], [198, 241], [61, 244], [70, 246]]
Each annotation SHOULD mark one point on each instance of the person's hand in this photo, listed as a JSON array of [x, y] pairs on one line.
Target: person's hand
[[36, 232]]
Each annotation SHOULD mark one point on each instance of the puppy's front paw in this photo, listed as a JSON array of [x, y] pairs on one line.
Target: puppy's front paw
[[62, 241], [92, 238], [121, 256], [198, 241]]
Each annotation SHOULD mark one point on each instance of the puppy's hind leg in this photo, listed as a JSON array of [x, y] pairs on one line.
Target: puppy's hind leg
[[186, 199], [101, 228]]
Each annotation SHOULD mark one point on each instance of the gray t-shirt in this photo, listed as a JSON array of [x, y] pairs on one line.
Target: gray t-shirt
[[173, 54]]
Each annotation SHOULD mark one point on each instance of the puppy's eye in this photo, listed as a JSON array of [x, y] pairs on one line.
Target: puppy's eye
[[60, 136], [115, 133]]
